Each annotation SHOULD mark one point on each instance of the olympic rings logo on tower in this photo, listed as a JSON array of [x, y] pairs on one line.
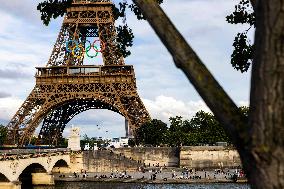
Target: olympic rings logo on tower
[[78, 50]]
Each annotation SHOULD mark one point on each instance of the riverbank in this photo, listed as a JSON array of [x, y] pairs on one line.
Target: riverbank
[[148, 181], [165, 177]]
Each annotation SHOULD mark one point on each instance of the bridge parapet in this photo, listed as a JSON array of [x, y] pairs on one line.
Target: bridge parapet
[[16, 154]]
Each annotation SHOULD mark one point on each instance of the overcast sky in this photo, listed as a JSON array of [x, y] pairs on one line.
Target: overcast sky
[[165, 91]]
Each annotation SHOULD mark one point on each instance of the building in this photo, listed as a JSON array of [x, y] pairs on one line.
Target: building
[[118, 142]]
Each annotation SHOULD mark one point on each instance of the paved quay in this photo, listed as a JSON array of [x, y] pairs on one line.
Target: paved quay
[[164, 176]]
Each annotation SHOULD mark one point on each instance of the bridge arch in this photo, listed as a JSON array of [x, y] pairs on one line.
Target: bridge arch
[[35, 161], [4, 178], [6, 171], [60, 166], [59, 161], [25, 176]]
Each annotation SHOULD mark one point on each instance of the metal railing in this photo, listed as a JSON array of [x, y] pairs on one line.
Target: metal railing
[[84, 71], [91, 1]]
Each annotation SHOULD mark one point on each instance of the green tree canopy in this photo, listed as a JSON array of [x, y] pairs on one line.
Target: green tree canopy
[[242, 55], [152, 132], [206, 129], [202, 128]]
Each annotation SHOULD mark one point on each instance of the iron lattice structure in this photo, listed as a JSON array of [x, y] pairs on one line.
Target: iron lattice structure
[[67, 87]]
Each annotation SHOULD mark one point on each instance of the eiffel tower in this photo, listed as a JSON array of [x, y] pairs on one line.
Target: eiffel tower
[[66, 86]]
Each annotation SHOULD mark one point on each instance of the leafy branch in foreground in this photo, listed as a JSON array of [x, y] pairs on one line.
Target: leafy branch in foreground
[[242, 55]]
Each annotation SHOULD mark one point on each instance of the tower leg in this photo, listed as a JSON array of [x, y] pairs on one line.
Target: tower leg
[[126, 128]]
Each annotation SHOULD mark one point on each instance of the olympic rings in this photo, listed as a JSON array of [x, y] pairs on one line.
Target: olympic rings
[[77, 49], [103, 46], [89, 48], [68, 42]]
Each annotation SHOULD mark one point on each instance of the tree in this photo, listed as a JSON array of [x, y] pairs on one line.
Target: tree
[[203, 128], [63, 143], [131, 142], [242, 55], [176, 135], [152, 132], [206, 129], [33, 140], [85, 140], [258, 139], [3, 134]]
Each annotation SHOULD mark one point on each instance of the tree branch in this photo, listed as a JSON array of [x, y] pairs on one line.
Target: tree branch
[[253, 2], [187, 60]]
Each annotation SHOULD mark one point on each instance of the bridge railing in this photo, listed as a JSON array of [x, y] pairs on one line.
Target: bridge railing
[[14, 154]]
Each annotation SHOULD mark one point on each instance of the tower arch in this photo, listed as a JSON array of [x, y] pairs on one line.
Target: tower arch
[[55, 122]]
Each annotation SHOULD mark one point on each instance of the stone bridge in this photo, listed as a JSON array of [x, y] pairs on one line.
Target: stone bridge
[[33, 166]]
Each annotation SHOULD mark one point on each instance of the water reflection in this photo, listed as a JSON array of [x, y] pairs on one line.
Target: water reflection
[[96, 185]]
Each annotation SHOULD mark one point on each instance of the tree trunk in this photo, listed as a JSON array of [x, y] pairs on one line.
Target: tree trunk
[[267, 97], [261, 144]]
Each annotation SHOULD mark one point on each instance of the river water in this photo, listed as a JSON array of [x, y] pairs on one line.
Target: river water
[[96, 185]]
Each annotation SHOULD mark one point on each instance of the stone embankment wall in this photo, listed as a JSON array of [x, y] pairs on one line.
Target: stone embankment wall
[[209, 157], [152, 156], [106, 161], [76, 162], [129, 159]]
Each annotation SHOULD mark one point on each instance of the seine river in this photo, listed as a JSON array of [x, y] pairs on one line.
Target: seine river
[[93, 185]]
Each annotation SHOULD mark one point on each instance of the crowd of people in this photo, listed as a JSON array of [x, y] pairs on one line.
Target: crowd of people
[[163, 175]]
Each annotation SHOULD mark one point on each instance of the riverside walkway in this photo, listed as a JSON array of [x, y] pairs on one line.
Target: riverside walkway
[[169, 175]]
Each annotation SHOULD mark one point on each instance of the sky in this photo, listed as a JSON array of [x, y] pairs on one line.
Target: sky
[[165, 91]]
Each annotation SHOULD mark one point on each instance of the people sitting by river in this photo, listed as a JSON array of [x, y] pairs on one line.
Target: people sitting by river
[[103, 176], [75, 174], [195, 177], [153, 177], [173, 174]]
